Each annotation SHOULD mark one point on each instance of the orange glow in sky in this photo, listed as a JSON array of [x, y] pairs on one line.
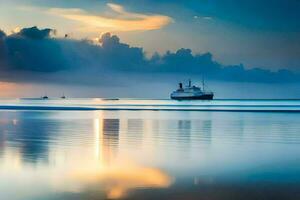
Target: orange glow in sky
[[121, 21]]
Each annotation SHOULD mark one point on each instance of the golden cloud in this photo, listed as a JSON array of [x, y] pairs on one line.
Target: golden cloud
[[118, 20]]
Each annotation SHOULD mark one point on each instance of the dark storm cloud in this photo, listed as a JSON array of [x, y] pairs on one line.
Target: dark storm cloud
[[2, 49], [119, 55], [32, 49], [184, 62], [35, 33], [2, 34], [33, 56]]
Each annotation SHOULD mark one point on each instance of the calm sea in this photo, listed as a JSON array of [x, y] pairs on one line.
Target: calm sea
[[149, 149]]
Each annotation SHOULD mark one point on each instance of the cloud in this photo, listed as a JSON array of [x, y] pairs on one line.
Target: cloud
[[207, 18], [2, 34], [2, 49], [33, 56], [32, 49], [35, 33], [119, 19]]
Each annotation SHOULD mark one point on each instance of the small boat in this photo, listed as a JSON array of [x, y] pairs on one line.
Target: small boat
[[111, 99], [63, 96], [191, 92], [45, 97]]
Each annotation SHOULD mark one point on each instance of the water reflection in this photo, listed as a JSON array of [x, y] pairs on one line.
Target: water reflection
[[184, 127], [110, 154], [206, 130], [184, 135], [33, 137], [135, 132], [118, 178], [115, 177], [29, 136], [110, 139]]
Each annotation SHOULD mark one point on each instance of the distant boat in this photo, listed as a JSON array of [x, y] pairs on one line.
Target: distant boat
[[63, 96], [45, 97], [111, 99], [191, 92]]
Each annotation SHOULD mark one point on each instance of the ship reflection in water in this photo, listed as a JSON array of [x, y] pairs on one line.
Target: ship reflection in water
[[149, 155]]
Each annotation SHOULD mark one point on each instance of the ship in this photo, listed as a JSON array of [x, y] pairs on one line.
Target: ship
[[192, 92]]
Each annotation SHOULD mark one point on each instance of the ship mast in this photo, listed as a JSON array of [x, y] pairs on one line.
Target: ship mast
[[203, 84]]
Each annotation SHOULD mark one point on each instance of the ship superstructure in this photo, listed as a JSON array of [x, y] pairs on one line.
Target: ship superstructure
[[191, 92]]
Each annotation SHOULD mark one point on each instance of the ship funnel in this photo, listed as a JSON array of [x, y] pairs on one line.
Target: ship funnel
[[180, 85]]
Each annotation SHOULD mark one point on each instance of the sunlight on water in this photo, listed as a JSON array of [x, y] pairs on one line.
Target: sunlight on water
[[102, 154]]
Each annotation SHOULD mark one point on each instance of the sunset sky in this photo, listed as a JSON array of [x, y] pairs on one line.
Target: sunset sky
[[228, 39]]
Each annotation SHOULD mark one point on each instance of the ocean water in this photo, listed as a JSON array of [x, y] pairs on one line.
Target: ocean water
[[149, 149]]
